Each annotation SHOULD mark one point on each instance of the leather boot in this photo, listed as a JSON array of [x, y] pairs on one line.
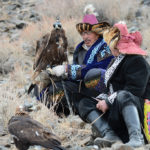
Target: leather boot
[[108, 135], [132, 121]]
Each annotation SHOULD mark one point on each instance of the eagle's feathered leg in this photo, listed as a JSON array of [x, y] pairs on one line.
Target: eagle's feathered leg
[[48, 99], [35, 74]]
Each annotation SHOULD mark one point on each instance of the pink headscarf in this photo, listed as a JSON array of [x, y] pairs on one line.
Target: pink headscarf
[[129, 43]]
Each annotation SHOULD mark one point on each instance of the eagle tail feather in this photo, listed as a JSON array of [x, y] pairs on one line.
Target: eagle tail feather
[[31, 88], [59, 148]]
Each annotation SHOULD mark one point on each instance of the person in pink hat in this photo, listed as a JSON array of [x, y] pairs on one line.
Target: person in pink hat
[[128, 83]]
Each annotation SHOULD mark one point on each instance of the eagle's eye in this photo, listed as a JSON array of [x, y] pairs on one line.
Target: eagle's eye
[[59, 25]]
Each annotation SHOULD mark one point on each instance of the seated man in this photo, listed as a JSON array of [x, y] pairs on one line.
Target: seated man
[[128, 83], [91, 53]]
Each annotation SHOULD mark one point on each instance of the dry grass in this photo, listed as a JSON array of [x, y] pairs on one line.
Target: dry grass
[[4, 50], [4, 16], [8, 48], [114, 10], [8, 100], [62, 8], [10, 52], [38, 30], [72, 35], [117, 10]]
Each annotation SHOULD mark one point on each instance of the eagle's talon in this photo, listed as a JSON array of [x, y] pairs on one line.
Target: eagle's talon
[[50, 71]]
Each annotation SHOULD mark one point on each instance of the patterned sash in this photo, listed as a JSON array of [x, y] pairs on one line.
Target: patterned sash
[[109, 72]]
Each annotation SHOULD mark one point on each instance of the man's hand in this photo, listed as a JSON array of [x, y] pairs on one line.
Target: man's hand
[[59, 70], [101, 105]]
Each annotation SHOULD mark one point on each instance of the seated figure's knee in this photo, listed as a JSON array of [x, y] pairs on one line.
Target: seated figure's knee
[[94, 78], [85, 107], [124, 98], [80, 108]]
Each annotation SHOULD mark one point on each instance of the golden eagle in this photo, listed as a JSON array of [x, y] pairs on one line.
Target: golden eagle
[[50, 50], [28, 132]]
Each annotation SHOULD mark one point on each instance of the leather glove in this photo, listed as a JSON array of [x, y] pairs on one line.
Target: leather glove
[[59, 70]]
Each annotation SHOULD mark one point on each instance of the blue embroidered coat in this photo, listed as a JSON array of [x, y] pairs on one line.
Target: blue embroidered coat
[[98, 56]]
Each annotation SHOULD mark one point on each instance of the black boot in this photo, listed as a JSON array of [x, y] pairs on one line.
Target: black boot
[[132, 121], [108, 135]]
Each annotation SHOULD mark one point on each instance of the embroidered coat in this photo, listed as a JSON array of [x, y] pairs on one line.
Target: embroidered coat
[[131, 73], [98, 56]]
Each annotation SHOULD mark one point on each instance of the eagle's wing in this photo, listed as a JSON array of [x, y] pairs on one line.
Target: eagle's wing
[[41, 60], [30, 131], [40, 49]]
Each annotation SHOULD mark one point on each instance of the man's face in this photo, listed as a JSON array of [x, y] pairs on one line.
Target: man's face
[[89, 38]]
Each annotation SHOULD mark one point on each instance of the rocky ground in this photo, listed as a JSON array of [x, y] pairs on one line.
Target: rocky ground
[[15, 15]]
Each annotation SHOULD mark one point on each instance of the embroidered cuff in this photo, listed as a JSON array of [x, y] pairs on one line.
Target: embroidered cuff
[[74, 71], [111, 98]]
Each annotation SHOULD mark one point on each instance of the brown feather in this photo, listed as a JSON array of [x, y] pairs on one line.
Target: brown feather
[[40, 45], [111, 36]]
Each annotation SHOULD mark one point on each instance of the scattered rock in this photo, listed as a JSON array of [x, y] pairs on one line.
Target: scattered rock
[[30, 106], [3, 148], [16, 14], [138, 13], [147, 147], [94, 147], [5, 141], [2, 128], [146, 2], [7, 65], [121, 147]]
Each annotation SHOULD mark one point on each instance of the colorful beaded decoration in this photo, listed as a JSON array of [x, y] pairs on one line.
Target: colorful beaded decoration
[[147, 119]]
